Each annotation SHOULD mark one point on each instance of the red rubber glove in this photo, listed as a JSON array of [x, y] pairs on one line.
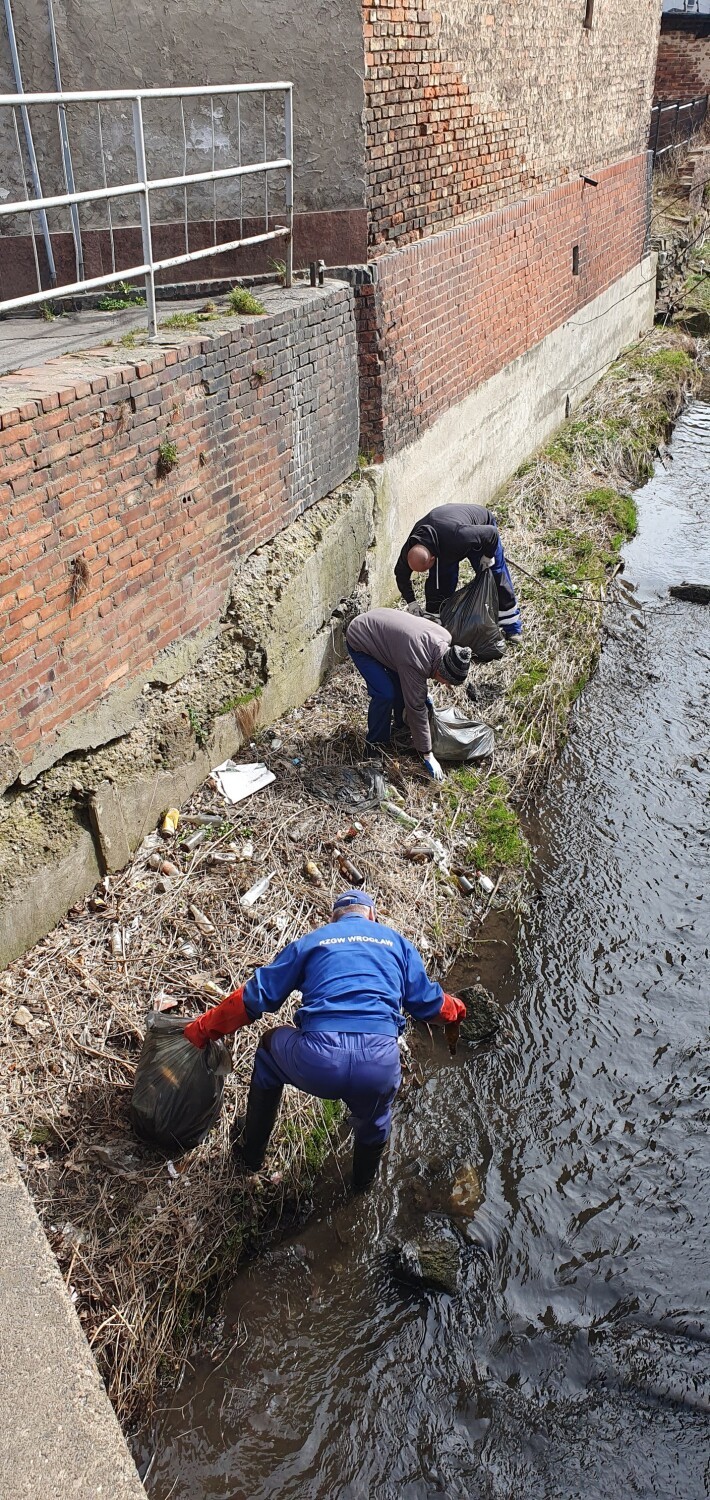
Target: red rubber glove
[[220, 1020], [452, 1010]]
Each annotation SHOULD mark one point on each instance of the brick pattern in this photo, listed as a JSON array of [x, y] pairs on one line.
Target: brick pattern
[[683, 65], [265, 420], [472, 105], [447, 313]]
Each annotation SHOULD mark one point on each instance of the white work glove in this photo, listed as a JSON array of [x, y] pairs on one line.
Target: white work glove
[[487, 562], [414, 608], [433, 767]]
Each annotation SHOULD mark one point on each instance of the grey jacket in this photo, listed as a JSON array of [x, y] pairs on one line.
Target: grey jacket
[[412, 648]]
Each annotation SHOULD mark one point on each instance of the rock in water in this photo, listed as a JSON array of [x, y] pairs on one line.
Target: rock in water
[[429, 1261], [694, 593], [466, 1192], [482, 1016]]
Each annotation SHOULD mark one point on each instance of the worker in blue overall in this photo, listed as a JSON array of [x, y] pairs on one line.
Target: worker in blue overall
[[357, 978], [436, 546]]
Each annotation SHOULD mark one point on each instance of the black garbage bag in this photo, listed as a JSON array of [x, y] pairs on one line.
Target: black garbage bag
[[471, 617], [177, 1093], [358, 788], [456, 737]]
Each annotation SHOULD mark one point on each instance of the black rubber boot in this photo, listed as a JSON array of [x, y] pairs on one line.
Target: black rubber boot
[[366, 1164], [262, 1109]]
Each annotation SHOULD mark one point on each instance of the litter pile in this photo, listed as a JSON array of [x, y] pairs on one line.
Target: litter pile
[[143, 1241], [211, 894]]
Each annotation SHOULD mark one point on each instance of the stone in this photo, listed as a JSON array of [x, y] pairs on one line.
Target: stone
[[10, 766], [482, 1016], [430, 1261]]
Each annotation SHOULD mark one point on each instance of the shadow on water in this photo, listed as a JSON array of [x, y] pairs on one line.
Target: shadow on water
[[574, 1359]]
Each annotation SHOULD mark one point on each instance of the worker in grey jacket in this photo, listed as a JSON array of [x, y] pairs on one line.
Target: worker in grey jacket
[[397, 653]]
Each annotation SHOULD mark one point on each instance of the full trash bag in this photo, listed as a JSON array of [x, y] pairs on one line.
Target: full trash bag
[[471, 617], [177, 1094], [456, 737]]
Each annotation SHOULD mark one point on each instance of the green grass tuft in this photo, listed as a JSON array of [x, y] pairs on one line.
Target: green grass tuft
[[619, 510], [243, 301], [500, 840]]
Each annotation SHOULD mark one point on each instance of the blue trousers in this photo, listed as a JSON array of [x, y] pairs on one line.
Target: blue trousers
[[443, 579], [362, 1069], [385, 690]]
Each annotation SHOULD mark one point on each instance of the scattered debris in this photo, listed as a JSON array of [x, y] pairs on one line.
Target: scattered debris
[[202, 922], [361, 788], [256, 891], [170, 821], [239, 781], [466, 1191]]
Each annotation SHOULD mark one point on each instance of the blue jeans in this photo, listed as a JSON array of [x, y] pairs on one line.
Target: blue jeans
[[385, 690], [361, 1068]]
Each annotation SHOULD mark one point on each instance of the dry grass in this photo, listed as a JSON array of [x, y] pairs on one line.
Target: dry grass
[[144, 1248]]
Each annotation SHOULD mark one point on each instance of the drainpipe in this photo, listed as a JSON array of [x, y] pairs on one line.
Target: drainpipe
[[34, 169], [66, 150]]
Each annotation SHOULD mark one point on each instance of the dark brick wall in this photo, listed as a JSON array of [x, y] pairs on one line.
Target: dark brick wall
[[446, 313], [265, 421], [683, 64]]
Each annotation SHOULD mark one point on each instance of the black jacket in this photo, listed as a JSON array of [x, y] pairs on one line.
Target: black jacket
[[450, 533]]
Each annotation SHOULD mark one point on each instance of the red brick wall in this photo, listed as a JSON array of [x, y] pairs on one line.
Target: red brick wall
[[452, 310], [265, 421], [683, 65], [474, 105]]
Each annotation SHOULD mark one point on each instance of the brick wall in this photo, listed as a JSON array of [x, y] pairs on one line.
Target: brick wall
[[475, 105], [265, 420], [450, 311], [683, 65]]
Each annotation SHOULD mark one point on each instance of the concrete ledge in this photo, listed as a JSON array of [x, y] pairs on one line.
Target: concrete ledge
[[59, 1437]]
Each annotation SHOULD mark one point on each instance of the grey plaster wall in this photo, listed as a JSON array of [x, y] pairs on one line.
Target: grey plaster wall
[[158, 43]]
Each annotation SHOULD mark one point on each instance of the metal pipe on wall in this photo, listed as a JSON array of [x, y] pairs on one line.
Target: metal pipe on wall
[[34, 169], [66, 149]]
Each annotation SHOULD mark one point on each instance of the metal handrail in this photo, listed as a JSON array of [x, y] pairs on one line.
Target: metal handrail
[[143, 185], [677, 106]]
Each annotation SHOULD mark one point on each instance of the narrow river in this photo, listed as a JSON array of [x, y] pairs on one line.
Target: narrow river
[[575, 1360]]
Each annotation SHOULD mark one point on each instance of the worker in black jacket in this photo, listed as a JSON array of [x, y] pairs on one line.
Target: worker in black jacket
[[436, 546]]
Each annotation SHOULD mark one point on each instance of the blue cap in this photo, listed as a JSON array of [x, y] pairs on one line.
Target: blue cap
[[353, 898]]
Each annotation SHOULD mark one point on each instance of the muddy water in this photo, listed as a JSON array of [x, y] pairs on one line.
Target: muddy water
[[575, 1360]]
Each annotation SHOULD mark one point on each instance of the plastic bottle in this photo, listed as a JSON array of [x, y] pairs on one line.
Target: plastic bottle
[[251, 896], [399, 814]]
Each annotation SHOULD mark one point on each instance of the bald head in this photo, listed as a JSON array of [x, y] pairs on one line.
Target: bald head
[[420, 559]]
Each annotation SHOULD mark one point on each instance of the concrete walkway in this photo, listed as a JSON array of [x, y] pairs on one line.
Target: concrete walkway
[[59, 1438]]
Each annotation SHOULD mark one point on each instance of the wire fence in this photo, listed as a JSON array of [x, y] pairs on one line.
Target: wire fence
[[241, 131], [674, 123]]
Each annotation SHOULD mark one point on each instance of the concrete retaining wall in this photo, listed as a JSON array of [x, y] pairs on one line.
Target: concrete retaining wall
[[59, 1437]]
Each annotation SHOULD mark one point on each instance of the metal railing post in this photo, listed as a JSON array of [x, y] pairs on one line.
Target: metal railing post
[[144, 201], [658, 126], [288, 153], [34, 169]]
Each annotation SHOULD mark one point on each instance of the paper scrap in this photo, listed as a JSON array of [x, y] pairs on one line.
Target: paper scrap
[[239, 781]]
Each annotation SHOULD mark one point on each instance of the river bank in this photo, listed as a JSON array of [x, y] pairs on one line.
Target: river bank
[[146, 1250], [572, 1358]]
